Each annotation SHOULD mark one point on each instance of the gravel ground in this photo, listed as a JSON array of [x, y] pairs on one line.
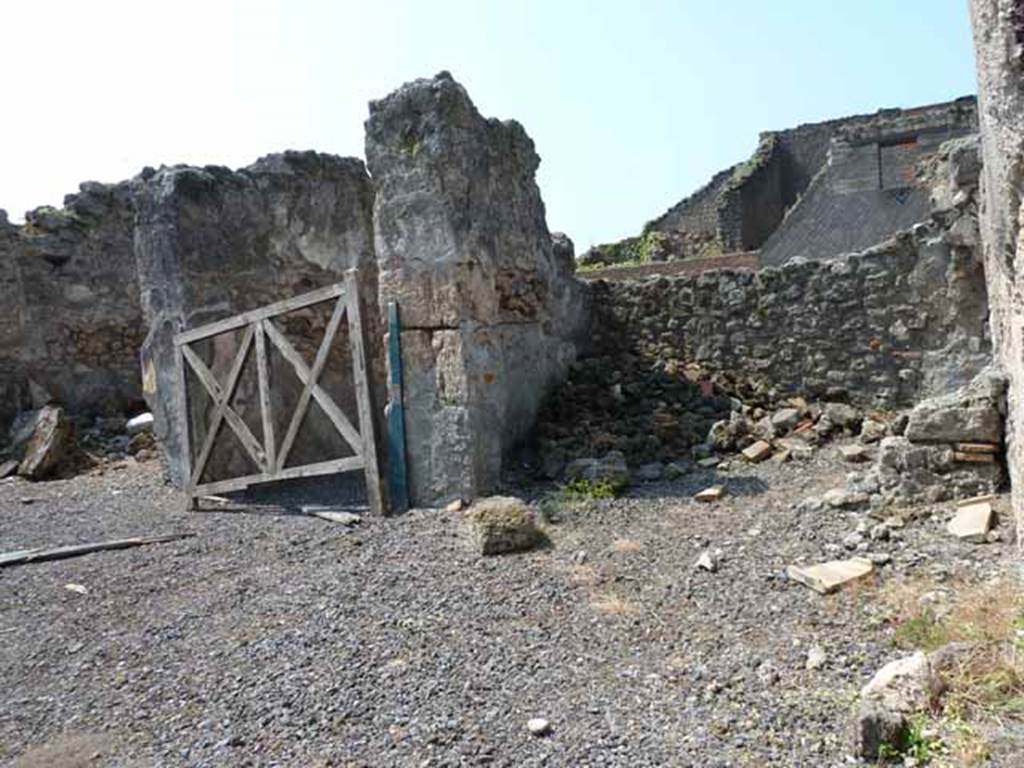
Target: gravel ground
[[276, 639]]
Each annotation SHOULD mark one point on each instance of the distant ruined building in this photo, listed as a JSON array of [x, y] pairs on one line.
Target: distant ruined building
[[815, 191]]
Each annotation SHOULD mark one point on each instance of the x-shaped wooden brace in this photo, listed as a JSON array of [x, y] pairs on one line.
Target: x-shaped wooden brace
[[310, 387], [222, 410]]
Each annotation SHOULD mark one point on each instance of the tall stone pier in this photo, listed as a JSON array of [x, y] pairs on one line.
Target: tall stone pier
[[488, 308], [999, 47]]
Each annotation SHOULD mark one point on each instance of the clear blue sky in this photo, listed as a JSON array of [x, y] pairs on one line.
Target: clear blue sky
[[632, 105]]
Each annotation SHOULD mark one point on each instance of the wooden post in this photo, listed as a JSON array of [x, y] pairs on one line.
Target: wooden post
[[183, 425], [361, 377], [397, 482], [266, 410]]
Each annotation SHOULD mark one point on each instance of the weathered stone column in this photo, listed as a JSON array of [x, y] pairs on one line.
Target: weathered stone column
[[487, 308], [999, 48]]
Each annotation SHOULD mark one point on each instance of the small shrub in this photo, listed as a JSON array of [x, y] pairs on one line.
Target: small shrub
[[923, 631], [916, 743], [582, 488]]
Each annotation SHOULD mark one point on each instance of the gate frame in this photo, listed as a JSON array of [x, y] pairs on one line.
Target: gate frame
[[268, 456]]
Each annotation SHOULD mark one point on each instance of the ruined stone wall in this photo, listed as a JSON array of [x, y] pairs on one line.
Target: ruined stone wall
[[884, 327], [488, 308], [211, 242], [754, 202], [693, 222], [748, 206], [72, 324], [999, 46]]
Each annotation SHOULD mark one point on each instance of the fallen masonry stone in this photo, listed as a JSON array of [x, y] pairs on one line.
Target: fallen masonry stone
[[724, 434], [854, 453], [499, 524], [897, 691], [611, 469], [841, 415], [828, 577], [651, 473], [972, 522], [785, 419], [141, 423], [972, 414], [757, 452], [714, 493], [7, 468], [709, 462], [841, 499], [49, 444], [815, 657], [871, 431], [709, 561], [798, 449], [675, 470], [538, 726]]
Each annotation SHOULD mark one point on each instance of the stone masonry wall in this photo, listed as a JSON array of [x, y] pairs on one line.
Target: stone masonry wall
[[999, 47], [488, 307], [884, 327], [211, 243], [72, 323]]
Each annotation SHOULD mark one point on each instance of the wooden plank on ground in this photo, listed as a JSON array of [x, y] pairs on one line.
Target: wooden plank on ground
[[74, 550]]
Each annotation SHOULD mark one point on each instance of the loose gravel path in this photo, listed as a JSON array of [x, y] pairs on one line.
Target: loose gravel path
[[285, 640]]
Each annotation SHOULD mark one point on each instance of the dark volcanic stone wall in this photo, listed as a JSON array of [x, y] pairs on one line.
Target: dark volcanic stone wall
[[211, 242], [71, 325], [885, 327]]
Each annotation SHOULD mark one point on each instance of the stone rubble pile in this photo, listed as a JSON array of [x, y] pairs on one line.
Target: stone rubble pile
[[951, 448], [46, 443], [618, 419]]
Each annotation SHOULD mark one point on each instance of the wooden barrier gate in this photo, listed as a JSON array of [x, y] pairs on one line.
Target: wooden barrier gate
[[269, 455]]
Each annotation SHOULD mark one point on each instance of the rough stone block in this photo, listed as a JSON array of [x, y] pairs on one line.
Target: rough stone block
[[714, 493], [757, 452], [897, 691], [972, 522], [500, 524], [49, 445], [830, 576]]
